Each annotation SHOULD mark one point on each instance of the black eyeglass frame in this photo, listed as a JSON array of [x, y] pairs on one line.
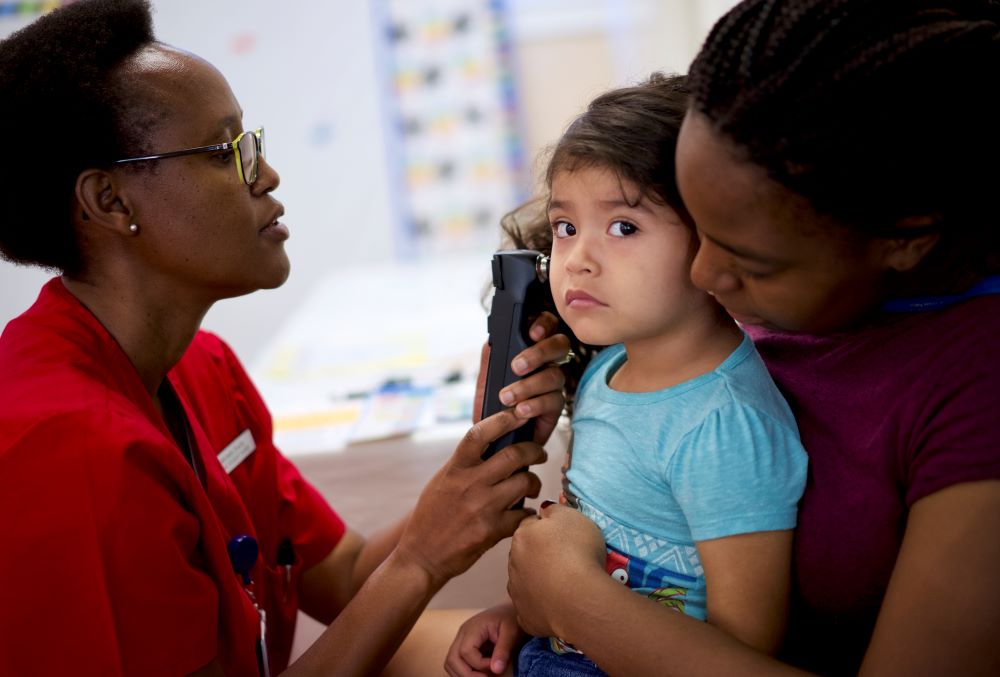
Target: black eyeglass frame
[[258, 140]]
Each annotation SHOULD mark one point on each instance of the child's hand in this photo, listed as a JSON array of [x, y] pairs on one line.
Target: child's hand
[[484, 643], [559, 545], [539, 395]]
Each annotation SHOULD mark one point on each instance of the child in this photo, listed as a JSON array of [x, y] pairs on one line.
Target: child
[[684, 453]]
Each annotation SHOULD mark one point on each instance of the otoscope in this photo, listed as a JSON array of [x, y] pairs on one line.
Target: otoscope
[[519, 278]]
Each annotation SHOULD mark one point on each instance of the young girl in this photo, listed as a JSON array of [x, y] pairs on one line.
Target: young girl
[[684, 453]]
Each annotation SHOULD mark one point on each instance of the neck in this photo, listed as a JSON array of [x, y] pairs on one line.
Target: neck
[[153, 329], [694, 348]]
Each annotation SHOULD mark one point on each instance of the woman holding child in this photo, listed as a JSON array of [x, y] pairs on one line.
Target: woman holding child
[[839, 162]]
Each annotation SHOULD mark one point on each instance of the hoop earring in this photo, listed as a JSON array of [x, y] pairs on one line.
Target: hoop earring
[[134, 228]]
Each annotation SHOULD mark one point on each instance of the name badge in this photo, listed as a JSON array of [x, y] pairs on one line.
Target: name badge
[[237, 450]]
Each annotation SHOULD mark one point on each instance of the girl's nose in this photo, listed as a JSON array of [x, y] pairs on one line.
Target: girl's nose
[[581, 258]]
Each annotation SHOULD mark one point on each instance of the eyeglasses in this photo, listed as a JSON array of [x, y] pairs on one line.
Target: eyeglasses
[[248, 149]]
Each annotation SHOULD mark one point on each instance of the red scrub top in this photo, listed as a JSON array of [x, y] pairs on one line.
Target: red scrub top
[[113, 556]]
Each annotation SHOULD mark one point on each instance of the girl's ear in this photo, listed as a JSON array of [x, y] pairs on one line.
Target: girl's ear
[[99, 202], [905, 253]]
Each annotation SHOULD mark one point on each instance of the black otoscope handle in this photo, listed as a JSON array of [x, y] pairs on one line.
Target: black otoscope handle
[[519, 285]]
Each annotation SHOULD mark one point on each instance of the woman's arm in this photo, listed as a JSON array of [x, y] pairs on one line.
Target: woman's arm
[[327, 587], [939, 616], [941, 613], [462, 512]]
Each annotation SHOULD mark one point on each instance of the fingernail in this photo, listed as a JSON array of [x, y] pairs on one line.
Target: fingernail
[[536, 332], [499, 666], [546, 504], [520, 364], [523, 410], [507, 397]]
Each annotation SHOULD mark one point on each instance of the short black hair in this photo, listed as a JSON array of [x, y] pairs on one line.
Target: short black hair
[[61, 112], [873, 110]]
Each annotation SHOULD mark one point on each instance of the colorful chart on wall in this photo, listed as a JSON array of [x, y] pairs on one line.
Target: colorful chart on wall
[[452, 113], [14, 15]]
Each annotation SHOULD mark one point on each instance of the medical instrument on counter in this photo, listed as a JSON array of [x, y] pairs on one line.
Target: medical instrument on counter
[[243, 553], [519, 278]]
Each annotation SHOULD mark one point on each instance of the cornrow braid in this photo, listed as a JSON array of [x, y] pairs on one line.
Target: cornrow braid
[[874, 110]]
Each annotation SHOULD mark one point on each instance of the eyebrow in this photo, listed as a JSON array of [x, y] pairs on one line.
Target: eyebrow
[[736, 251], [615, 203]]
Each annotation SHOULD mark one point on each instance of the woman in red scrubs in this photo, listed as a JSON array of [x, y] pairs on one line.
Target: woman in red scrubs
[[136, 461]]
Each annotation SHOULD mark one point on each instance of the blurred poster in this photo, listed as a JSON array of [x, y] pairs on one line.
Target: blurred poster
[[456, 154]]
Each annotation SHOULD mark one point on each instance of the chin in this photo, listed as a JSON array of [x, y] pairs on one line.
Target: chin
[[279, 279], [277, 275], [595, 337], [265, 279]]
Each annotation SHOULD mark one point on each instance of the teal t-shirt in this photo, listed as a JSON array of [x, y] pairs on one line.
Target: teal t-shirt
[[715, 456]]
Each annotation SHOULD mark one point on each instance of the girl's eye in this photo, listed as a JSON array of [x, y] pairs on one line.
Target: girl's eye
[[563, 229], [226, 156], [622, 229]]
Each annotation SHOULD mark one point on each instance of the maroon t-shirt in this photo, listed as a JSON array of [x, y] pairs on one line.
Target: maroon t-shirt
[[888, 414]]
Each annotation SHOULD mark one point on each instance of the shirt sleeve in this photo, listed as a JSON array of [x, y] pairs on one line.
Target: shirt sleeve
[[101, 562], [953, 434], [738, 471]]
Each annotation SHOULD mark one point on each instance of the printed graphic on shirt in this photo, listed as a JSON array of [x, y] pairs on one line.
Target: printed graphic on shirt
[[656, 554]]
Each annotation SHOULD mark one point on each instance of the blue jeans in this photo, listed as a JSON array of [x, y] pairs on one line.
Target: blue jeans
[[538, 660]]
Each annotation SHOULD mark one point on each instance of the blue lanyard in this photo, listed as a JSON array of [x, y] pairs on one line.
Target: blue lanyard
[[919, 304]]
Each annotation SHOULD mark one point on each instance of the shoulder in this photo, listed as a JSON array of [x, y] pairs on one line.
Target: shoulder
[[207, 350], [209, 363], [601, 362], [222, 395], [106, 453], [745, 384]]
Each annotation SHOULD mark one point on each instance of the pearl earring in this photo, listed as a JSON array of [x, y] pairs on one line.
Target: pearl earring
[[134, 228]]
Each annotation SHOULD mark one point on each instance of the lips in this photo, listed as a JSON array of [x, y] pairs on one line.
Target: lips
[[275, 220], [579, 299], [275, 230]]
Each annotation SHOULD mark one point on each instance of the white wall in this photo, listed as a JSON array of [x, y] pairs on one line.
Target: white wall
[[308, 70]]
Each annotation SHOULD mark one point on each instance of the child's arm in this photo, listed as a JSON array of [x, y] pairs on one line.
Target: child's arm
[[747, 577], [624, 633]]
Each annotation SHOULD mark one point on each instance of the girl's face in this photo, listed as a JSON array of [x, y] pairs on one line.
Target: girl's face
[[203, 232], [765, 254], [618, 273]]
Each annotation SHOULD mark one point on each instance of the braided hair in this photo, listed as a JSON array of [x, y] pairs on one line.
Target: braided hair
[[62, 111], [876, 111]]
